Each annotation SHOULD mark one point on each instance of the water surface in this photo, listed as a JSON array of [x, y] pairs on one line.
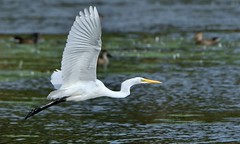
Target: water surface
[[198, 101], [57, 16]]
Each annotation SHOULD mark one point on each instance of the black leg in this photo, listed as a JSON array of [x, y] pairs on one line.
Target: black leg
[[39, 109]]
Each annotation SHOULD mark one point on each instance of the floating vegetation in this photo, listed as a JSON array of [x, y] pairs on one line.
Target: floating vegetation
[[143, 50]]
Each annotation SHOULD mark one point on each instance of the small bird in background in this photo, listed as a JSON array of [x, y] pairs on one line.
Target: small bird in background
[[33, 39], [103, 59], [199, 40]]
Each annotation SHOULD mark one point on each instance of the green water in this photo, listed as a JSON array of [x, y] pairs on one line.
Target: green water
[[197, 102]]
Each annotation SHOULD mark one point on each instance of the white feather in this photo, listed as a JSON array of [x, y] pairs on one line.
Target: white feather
[[56, 79], [77, 79], [82, 49]]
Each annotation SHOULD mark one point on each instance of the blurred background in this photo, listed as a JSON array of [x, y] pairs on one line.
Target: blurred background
[[193, 47], [56, 17]]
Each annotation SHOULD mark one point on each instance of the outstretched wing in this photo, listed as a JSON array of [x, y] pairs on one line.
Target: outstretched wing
[[82, 48]]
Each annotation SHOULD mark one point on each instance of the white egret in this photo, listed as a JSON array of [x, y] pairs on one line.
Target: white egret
[[77, 79]]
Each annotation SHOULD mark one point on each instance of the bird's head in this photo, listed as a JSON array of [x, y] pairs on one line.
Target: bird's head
[[126, 85], [198, 36], [215, 39], [105, 53], [140, 80]]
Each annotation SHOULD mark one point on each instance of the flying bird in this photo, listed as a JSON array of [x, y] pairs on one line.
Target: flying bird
[[77, 81]]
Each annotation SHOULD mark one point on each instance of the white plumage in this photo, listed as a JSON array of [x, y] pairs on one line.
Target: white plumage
[[76, 81], [56, 79], [77, 78]]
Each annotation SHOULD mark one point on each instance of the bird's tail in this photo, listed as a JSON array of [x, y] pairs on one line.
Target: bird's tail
[[56, 79], [39, 109]]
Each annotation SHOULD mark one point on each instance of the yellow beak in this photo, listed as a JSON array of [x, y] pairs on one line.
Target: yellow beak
[[151, 81]]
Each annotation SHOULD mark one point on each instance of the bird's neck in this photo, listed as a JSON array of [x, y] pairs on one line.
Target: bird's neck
[[124, 92], [105, 57]]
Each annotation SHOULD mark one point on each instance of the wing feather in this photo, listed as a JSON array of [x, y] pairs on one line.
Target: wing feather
[[82, 48]]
